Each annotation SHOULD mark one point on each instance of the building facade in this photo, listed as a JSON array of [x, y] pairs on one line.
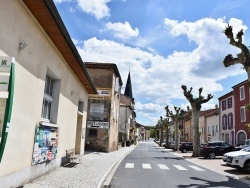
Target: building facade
[[212, 124], [128, 131], [227, 118], [50, 95], [241, 114], [103, 108]]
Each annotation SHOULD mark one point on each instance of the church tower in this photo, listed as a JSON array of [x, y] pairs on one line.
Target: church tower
[[128, 90]]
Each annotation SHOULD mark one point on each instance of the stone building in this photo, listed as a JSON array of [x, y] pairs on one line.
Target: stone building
[[103, 108], [127, 123], [50, 92]]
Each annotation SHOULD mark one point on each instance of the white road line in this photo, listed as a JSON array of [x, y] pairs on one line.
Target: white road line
[[163, 167], [179, 167], [129, 165], [146, 166], [196, 168]]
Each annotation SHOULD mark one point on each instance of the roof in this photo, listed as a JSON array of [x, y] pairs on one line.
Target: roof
[[205, 112], [99, 65], [226, 95], [46, 14], [213, 112], [239, 84]]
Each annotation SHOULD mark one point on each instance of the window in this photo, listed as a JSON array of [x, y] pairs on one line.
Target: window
[[230, 120], [224, 122], [208, 129], [223, 103], [216, 129], [229, 102], [80, 106], [202, 130], [48, 97], [92, 132], [242, 93], [212, 130], [243, 114]]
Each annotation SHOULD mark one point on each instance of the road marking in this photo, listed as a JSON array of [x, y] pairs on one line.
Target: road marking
[[179, 167], [163, 167], [129, 165], [196, 168], [146, 166]]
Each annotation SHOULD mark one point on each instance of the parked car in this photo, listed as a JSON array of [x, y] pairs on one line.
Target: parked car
[[163, 144], [171, 145], [186, 146], [216, 148], [243, 145], [238, 159]]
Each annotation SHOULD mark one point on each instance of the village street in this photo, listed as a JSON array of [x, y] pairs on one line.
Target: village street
[[145, 165]]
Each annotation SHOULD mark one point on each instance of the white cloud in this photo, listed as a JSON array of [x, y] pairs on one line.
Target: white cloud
[[77, 42], [62, 1], [123, 31], [157, 79], [98, 8]]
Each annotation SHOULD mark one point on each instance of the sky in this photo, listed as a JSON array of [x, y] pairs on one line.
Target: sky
[[164, 44]]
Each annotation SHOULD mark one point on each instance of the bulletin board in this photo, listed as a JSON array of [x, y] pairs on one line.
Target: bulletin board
[[46, 143]]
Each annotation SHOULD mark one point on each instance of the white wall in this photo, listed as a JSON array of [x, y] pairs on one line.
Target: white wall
[[32, 65]]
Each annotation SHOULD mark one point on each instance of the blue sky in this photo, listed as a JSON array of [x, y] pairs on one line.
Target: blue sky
[[164, 44]]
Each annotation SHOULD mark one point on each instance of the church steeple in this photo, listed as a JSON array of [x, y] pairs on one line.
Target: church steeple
[[128, 89]]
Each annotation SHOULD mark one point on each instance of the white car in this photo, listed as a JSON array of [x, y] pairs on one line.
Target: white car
[[238, 159]]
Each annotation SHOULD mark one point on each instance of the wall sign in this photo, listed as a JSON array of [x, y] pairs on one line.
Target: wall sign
[[7, 80], [97, 124]]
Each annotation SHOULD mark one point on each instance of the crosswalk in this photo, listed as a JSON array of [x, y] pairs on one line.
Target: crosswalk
[[165, 167]]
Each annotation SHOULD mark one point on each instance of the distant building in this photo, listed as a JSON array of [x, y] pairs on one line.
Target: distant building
[[212, 124], [127, 123], [103, 108]]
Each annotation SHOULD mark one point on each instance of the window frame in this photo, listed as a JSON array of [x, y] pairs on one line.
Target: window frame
[[48, 97], [229, 102], [242, 109], [242, 93], [224, 104]]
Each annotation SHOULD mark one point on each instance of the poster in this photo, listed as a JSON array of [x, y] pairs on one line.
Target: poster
[[45, 146], [96, 111]]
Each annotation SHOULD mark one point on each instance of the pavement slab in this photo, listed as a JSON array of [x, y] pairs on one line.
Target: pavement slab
[[90, 173]]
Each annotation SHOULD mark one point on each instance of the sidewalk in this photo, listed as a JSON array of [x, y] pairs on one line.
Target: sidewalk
[[91, 173]]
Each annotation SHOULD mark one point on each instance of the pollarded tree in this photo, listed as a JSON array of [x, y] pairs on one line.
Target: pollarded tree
[[196, 107], [167, 123], [175, 117], [243, 57]]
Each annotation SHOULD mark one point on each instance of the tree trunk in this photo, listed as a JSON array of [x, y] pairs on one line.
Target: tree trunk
[[176, 132], [161, 137], [196, 133], [166, 137]]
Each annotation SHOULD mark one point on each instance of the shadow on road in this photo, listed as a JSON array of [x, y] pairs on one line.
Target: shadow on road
[[230, 183], [175, 158]]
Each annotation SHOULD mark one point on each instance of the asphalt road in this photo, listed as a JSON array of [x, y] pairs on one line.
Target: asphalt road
[[149, 166]]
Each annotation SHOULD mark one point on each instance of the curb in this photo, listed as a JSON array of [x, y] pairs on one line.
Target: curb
[[101, 182]]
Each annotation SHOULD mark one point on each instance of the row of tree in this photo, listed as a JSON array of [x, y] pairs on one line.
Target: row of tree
[[173, 118]]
